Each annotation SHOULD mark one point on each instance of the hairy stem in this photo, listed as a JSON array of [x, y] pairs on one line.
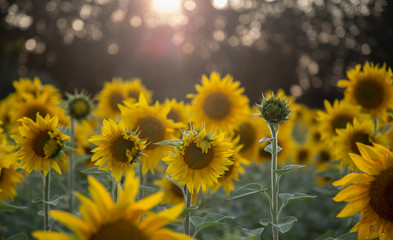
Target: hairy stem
[[188, 196], [46, 200], [274, 182], [70, 176]]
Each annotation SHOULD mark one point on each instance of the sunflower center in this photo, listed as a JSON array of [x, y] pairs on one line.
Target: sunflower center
[[115, 99], [217, 106], [40, 142], [151, 129], [120, 147], [195, 158], [32, 111], [176, 190], [324, 156], [173, 115], [119, 230], [381, 194], [369, 93], [302, 155], [361, 138], [1, 175], [133, 94], [316, 136], [340, 121], [79, 108], [247, 136]]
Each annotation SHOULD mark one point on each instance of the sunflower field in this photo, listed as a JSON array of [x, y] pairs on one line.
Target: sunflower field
[[119, 165]]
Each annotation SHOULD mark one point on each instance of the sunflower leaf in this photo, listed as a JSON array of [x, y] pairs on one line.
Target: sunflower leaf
[[170, 143], [53, 202], [253, 233], [247, 189], [289, 197], [265, 222], [288, 168], [188, 210], [286, 224], [209, 220], [347, 236], [262, 140], [269, 149], [94, 170], [18, 236], [6, 206]]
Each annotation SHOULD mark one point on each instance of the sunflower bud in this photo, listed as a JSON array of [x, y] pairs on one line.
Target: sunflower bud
[[79, 105], [274, 110]]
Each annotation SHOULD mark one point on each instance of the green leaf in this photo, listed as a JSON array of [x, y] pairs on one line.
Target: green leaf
[[253, 234], [94, 170], [265, 222], [289, 197], [53, 202], [248, 189], [81, 158], [288, 168], [170, 143], [262, 140], [6, 206], [209, 220], [18, 236], [188, 210], [286, 224], [347, 236], [269, 149]]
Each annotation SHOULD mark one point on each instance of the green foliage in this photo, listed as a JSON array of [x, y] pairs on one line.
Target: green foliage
[[248, 189], [207, 221], [288, 168]]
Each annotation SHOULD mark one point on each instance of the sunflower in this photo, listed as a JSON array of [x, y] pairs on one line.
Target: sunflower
[[371, 88], [219, 103], [233, 170], [9, 177], [117, 148], [26, 89], [323, 157], [179, 113], [83, 132], [117, 91], [200, 160], [40, 144], [363, 132], [79, 105], [336, 117], [302, 154], [370, 192], [102, 219], [172, 193], [153, 125]]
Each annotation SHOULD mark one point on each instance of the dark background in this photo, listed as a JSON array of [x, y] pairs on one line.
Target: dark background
[[303, 47]]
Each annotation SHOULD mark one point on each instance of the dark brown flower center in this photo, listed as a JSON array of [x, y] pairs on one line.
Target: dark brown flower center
[[120, 147], [133, 94], [119, 230], [229, 171], [217, 106], [316, 137], [195, 158], [369, 93], [302, 155], [31, 111], [340, 121], [151, 129], [324, 156], [173, 115], [176, 190], [381, 194], [360, 138], [115, 99], [39, 143], [247, 136]]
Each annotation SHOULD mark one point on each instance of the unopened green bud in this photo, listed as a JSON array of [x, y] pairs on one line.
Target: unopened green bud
[[274, 110], [79, 105]]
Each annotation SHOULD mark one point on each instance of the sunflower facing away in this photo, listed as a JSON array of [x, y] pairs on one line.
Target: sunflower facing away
[[363, 132], [336, 117], [34, 88], [179, 113], [117, 148], [102, 219], [219, 103], [370, 192], [172, 193], [154, 126], [9, 177], [40, 144], [117, 91], [200, 159], [371, 88]]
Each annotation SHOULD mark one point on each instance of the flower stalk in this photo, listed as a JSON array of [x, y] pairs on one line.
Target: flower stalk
[[188, 196], [274, 180], [46, 193], [70, 176]]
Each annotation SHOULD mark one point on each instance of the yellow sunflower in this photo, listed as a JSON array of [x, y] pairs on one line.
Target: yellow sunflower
[[102, 219], [9, 177], [83, 132], [117, 91], [233, 170], [40, 144], [172, 193], [219, 103], [117, 148], [336, 117], [26, 89], [363, 132], [154, 126], [200, 160], [370, 192], [302, 154], [179, 113], [323, 157], [371, 88]]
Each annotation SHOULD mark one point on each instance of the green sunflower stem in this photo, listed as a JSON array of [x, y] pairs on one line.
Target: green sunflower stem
[[141, 182], [70, 176], [274, 180], [115, 190], [188, 196], [46, 200]]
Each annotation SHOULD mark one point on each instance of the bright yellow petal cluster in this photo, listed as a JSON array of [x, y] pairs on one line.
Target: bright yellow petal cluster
[[40, 144], [103, 219], [116, 148]]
